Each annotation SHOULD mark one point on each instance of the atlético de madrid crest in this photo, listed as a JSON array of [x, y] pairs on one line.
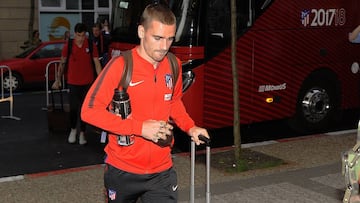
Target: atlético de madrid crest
[[169, 81]]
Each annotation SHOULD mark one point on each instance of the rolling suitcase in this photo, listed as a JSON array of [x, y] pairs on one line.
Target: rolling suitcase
[[58, 112], [192, 173], [351, 171]]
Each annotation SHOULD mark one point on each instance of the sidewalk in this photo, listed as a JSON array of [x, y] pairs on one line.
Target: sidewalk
[[312, 174]]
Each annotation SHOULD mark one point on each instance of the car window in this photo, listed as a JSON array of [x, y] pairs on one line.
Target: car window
[[50, 51], [26, 52]]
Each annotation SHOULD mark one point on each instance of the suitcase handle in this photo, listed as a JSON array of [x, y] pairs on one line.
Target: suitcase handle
[[205, 139], [192, 170]]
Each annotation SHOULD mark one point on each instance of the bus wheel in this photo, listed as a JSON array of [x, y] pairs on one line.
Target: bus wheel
[[317, 106]]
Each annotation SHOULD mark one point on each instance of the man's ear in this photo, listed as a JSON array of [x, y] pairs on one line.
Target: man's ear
[[141, 31]]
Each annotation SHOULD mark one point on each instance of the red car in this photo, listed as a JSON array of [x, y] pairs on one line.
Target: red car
[[30, 66]]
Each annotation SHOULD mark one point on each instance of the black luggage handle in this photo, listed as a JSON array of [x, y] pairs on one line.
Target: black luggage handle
[[205, 140]]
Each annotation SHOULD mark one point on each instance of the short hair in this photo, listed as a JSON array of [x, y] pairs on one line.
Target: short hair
[[159, 12], [97, 25], [80, 27], [35, 32]]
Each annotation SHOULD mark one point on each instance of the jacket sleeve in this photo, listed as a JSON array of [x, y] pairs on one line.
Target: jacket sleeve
[[178, 112], [94, 109]]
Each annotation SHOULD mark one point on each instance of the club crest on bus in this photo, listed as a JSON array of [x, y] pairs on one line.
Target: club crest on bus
[[323, 17]]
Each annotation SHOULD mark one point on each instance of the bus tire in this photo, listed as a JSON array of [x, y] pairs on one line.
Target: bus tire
[[318, 104]]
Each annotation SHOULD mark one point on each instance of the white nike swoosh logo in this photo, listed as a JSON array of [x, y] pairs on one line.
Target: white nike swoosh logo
[[174, 188], [132, 84]]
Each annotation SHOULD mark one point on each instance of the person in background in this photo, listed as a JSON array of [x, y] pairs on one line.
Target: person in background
[[66, 35], [101, 37], [143, 167], [80, 75], [34, 41], [105, 27], [354, 36]]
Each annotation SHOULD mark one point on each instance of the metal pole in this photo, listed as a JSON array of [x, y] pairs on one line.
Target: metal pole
[[207, 174], [192, 173]]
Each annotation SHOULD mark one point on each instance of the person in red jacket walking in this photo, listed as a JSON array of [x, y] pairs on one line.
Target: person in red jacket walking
[[77, 62], [144, 168]]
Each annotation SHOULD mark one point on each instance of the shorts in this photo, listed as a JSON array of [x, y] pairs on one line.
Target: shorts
[[121, 186]]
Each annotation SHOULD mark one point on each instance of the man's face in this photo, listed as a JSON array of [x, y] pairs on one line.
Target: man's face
[[96, 31], [156, 39], [79, 37]]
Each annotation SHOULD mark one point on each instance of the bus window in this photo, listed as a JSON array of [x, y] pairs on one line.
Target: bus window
[[125, 19], [217, 26], [244, 17], [218, 23], [260, 6], [186, 13], [126, 15]]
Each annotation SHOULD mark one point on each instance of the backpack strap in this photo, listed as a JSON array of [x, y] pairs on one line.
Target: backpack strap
[[91, 49], [101, 43], [174, 67], [127, 72], [90, 42], [69, 50]]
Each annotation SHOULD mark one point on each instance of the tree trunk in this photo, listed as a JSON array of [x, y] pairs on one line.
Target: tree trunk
[[236, 130]]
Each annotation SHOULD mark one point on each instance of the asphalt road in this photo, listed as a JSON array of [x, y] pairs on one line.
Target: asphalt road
[[28, 147]]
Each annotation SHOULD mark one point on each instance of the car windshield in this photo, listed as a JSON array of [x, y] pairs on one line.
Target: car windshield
[[26, 52]]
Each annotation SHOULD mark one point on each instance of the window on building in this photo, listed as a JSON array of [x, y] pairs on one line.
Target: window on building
[[88, 19], [58, 16], [51, 3], [103, 3], [87, 5], [72, 5]]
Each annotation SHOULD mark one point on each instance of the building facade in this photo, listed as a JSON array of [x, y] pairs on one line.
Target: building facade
[[51, 17]]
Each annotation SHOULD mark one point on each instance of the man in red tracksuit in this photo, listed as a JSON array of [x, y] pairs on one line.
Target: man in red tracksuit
[[142, 169], [80, 75]]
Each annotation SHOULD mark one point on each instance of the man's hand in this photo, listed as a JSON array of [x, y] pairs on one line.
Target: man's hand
[[194, 133], [106, 27], [154, 130], [56, 85]]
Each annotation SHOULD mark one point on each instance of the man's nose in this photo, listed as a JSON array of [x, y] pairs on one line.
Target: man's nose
[[165, 44]]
